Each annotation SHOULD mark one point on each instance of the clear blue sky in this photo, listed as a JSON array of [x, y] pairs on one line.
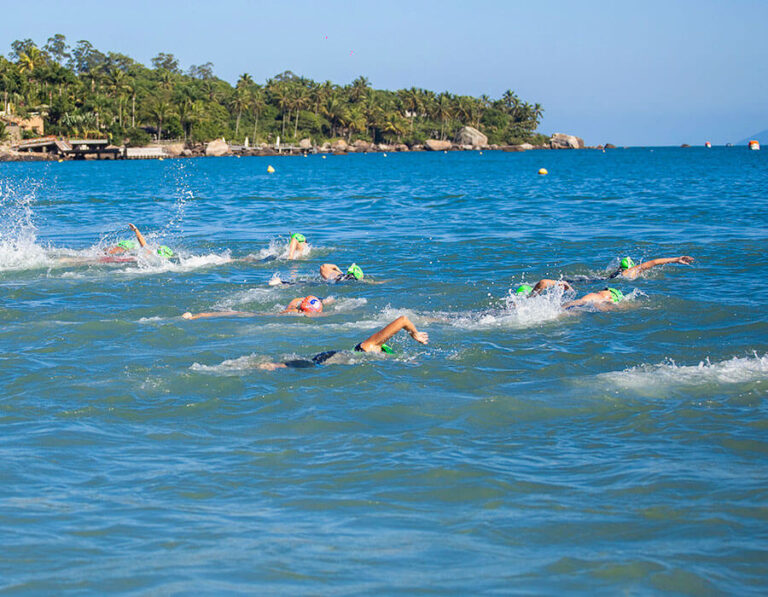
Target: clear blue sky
[[631, 73]]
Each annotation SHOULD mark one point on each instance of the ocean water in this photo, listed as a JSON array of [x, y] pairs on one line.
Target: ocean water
[[524, 450]]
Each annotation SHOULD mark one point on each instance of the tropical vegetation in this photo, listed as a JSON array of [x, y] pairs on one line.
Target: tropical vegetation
[[83, 92]]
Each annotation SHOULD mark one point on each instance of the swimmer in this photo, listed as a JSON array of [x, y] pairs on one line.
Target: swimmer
[[306, 305], [333, 273], [603, 299], [297, 245], [127, 245], [630, 271], [330, 272], [541, 286], [375, 343]]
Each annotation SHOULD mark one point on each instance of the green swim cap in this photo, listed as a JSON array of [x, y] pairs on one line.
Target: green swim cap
[[627, 262], [164, 251], [387, 349], [355, 270], [524, 289], [616, 295], [127, 244], [300, 238]]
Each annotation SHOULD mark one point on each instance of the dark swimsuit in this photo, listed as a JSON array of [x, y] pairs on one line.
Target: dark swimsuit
[[318, 359]]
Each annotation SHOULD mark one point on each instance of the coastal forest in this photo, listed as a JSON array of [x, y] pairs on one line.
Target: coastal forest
[[82, 92]]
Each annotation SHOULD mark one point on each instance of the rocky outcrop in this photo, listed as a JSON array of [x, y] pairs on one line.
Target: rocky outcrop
[[305, 144], [218, 147], [401, 147], [361, 145], [469, 135], [174, 149], [610, 146], [339, 145], [562, 141], [435, 145]]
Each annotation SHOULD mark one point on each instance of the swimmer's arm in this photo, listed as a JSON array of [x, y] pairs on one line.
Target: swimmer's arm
[[683, 259], [293, 306], [384, 334], [139, 235], [294, 247], [369, 281], [189, 315]]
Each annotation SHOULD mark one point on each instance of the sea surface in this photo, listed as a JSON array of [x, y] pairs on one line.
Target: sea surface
[[525, 450]]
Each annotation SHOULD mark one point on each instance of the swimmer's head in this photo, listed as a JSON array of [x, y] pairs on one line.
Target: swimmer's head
[[524, 289], [386, 348], [627, 262], [311, 304], [164, 251], [616, 295], [354, 270], [300, 238], [127, 244], [330, 271]]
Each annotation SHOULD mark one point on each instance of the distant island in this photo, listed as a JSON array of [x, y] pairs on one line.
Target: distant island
[[83, 93]]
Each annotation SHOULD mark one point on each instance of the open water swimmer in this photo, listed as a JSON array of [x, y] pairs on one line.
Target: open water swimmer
[[306, 305], [297, 245], [602, 300], [630, 271], [376, 343]]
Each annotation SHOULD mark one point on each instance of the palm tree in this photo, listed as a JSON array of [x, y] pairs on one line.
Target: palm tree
[[257, 106], [160, 110], [239, 101]]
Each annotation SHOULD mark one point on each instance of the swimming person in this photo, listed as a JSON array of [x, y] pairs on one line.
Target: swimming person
[[541, 286], [602, 299], [374, 343], [304, 305], [332, 272], [127, 245], [630, 271], [297, 245]]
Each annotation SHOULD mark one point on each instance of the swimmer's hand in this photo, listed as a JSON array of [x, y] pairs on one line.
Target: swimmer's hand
[[685, 260], [132, 227], [328, 300], [421, 337], [188, 315]]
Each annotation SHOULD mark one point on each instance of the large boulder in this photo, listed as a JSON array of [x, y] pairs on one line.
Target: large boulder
[[218, 147], [469, 135], [435, 145], [361, 145], [562, 141], [339, 145], [401, 147], [305, 144], [174, 149]]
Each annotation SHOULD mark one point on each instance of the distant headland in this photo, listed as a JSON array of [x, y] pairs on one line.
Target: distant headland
[[82, 93]]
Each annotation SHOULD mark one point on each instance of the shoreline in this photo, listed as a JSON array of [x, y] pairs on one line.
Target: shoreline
[[16, 156]]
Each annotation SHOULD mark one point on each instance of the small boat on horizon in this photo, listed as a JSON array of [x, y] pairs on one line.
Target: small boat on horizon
[[754, 145]]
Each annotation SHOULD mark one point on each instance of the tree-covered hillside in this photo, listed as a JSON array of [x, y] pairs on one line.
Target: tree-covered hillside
[[83, 92]]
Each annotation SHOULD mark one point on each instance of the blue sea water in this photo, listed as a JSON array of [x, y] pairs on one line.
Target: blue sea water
[[524, 450]]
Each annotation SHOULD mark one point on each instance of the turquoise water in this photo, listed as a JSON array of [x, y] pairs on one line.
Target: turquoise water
[[524, 450]]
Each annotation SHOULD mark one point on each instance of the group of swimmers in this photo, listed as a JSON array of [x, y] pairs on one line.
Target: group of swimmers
[[377, 343]]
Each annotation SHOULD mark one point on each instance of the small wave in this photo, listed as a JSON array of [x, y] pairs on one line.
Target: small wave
[[669, 374], [231, 366]]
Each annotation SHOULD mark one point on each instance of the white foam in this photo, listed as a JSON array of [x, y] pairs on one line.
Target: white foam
[[231, 366], [18, 248], [650, 378]]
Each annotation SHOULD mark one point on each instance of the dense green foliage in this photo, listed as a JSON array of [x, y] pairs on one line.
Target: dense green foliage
[[83, 92]]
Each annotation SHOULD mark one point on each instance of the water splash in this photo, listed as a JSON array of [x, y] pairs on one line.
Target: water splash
[[18, 247], [670, 375]]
